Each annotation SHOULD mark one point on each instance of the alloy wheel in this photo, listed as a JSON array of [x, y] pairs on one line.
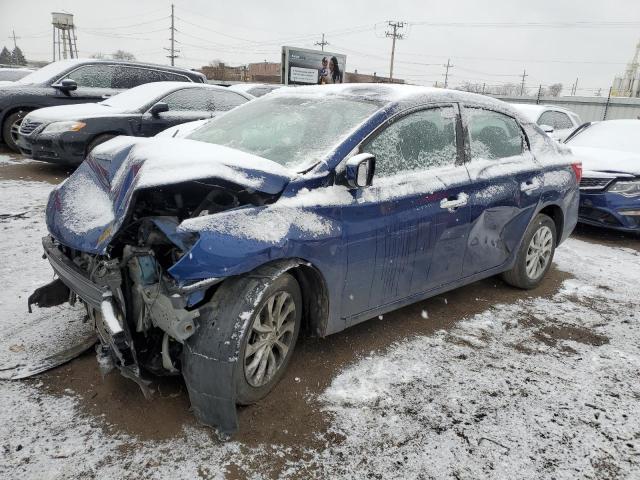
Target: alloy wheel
[[539, 252], [270, 339], [15, 128]]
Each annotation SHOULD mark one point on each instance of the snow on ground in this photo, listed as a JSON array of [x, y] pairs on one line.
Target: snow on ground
[[541, 388], [23, 270]]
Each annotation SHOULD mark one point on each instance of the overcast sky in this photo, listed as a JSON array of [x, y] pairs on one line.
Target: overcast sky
[[569, 38]]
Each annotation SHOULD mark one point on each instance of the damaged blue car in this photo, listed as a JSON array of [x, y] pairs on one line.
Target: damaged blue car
[[306, 211]]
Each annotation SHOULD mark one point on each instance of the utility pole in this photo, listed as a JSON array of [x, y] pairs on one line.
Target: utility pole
[[539, 95], [606, 106], [574, 89], [446, 73], [524, 75], [172, 56], [15, 44], [322, 43], [394, 35]]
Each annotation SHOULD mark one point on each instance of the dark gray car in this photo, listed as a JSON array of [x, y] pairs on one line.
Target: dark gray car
[[66, 134], [77, 81]]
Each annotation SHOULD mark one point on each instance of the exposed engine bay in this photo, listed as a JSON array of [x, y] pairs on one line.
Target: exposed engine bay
[[141, 314]]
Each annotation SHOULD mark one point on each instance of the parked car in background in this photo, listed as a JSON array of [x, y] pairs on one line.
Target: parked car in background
[[255, 89], [610, 186], [77, 81], [206, 256], [557, 122], [66, 134], [11, 74]]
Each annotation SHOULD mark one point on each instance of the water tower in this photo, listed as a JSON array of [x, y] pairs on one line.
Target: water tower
[[64, 36]]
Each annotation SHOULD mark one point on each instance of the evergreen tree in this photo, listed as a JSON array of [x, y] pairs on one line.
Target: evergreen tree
[[17, 57], [5, 56]]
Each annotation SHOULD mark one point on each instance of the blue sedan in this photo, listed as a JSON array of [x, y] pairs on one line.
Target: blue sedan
[[308, 210], [610, 187]]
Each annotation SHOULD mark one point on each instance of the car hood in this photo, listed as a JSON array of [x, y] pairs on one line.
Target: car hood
[[72, 112], [88, 209], [607, 160]]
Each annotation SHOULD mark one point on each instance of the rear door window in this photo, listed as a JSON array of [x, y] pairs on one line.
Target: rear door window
[[493, 135], [128, 77], [201, 99], [418, 141]]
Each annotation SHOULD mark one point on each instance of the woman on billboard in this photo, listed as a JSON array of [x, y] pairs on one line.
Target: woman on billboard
[[335, 75]]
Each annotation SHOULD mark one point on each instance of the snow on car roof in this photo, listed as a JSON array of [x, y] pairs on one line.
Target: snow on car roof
[[532, 112], [392, 93]]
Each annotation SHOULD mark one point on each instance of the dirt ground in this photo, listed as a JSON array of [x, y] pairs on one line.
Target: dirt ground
[[286, 416]]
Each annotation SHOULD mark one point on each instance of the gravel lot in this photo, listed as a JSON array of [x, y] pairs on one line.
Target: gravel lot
[[482, 382]]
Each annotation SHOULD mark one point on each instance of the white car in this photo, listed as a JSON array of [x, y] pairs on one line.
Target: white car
[[255, 89], [557, 122]]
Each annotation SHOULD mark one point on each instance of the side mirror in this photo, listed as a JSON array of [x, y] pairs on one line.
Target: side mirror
[[66, 85], [359, 170], [547, 128], [158, 108]]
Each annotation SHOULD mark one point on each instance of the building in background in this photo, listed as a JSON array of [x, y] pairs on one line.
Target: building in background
[[628, 85], [264, 72]]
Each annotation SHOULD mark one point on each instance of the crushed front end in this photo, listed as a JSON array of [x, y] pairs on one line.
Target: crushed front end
[[122, 265]]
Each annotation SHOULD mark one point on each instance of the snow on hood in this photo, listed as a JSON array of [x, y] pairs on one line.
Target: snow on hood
[[607, 160], [87, 210], [71, 112]]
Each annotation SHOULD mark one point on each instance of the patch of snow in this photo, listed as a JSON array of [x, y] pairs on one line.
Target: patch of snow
[[495, 397], [84, 204], [25, 338]]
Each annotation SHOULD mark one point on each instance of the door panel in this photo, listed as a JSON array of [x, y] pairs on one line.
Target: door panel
[[394, 227], [505, 188]]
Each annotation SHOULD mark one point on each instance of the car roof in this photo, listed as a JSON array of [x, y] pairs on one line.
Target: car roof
[[395, 93], [536, 110]]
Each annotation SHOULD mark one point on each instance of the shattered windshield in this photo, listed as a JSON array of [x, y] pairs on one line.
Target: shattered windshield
[[294, 131]]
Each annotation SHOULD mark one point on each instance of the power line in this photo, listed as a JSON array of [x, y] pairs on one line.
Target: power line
[[394, 35]]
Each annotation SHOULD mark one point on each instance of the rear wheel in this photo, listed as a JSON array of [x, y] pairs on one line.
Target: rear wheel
[[11, 127], [535, 254]]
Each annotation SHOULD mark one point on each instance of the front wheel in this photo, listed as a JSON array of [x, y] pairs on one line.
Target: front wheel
[[535, 254], [269, 340], [10, 129]]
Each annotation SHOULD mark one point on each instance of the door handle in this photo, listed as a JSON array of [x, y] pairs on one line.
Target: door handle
[[451, 204], [530, 185], [107, 95]]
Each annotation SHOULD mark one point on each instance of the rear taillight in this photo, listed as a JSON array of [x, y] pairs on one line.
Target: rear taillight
[[577, 170]]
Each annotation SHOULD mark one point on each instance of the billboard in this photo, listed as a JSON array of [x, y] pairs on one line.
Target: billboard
[[312, 67]]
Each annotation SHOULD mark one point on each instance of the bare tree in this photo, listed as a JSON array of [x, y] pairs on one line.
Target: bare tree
[[123, 55], [554, 90], [98, 55], [508, 90]]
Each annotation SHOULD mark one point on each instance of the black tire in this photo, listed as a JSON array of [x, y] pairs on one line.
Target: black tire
[[105, 137], [246, 393], [521, 275], [8, 129]]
